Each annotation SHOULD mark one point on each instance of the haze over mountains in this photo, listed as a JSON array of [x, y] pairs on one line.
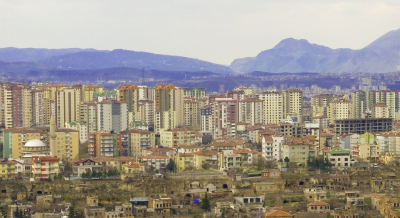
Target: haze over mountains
[[290, 55]]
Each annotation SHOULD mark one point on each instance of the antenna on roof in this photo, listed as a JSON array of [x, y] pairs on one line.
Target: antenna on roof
[[143, 77]]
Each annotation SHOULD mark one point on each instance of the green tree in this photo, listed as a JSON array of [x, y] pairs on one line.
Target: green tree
[[205, 204], [94, 174], [4, 207], [171, 165], [71, 210], [18, 213], [287, 161]]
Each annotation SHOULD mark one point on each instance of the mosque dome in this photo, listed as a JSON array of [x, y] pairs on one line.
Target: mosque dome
[[34, 143]]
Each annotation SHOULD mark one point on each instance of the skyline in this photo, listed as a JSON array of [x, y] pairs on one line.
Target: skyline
[[218, 32]]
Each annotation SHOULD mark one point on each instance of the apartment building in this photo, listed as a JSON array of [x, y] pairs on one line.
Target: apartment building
[[135, 140], [184, 161], [17, 106], [112, 115], [272, 147], [102, 144], [194, 92], [251, 111], [168, 107], [273, 104], [88, 114], [67, 106], [206, 116], [298, 150], [338, 157], [340, 109], [82, 128], [146, 112], [67, 144], [191, 114], [15, 139], [44, 167], [37, 103], [175, 137], [380, 110], [7, 169]]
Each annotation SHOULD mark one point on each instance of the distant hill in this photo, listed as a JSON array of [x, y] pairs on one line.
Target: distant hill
[[293, 56], [34, 54], [125, 58]]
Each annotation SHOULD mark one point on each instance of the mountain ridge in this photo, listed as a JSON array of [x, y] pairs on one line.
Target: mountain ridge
[[299, 55]]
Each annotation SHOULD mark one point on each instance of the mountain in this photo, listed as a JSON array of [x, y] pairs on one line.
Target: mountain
[[292, 55], [125, 58], [34, 54]]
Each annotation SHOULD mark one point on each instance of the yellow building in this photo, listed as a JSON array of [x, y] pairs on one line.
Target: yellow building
[[168, 107], [67, 144], [293, 101], [135, 140], [184, 161], [172, 138], [7, 169], [67, 106], [298, 150], [340, 109], [14, 139], [273, 104], [211, 158], [380, 110], [89, 90], [390, 158], [369, 152]]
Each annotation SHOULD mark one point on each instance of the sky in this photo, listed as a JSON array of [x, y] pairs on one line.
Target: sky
[[218, 31]]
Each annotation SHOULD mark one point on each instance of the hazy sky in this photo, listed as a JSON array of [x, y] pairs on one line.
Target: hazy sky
[[216, 30]]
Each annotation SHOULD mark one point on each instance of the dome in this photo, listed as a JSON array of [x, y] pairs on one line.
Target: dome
[[34, 143]]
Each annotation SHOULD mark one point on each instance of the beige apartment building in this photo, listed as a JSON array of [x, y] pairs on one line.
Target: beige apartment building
[[251, 111], [67, 106], [192, 113], [340, 109], [67, 144], [135, 140], [293, 103], [175, 137], [273, 104], [14, 139], [380, 110], [168, 107], [88, 114]]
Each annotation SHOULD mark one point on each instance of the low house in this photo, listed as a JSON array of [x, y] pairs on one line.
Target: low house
[[318, 207]]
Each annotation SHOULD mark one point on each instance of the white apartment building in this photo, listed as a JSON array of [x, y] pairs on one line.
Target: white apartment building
[[272, 148]]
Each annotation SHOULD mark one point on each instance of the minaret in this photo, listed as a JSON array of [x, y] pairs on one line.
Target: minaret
[[53, 136]]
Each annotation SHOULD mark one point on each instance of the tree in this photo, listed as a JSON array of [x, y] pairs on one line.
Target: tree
[[94, 174], [171, 165], [4, 207], [205, 204], [287, 161], [18, 213], [71, 210], [206, 166]]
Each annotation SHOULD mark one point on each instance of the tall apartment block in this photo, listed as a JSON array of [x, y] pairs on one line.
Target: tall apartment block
[[17, 106], [112, 115], [67, 106], [168, 107], [192, 113], [273, 101], [88, 114], [251, 111]]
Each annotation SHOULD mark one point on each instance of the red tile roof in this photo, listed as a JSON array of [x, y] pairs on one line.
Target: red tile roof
[[278, 213], [318, 203]]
